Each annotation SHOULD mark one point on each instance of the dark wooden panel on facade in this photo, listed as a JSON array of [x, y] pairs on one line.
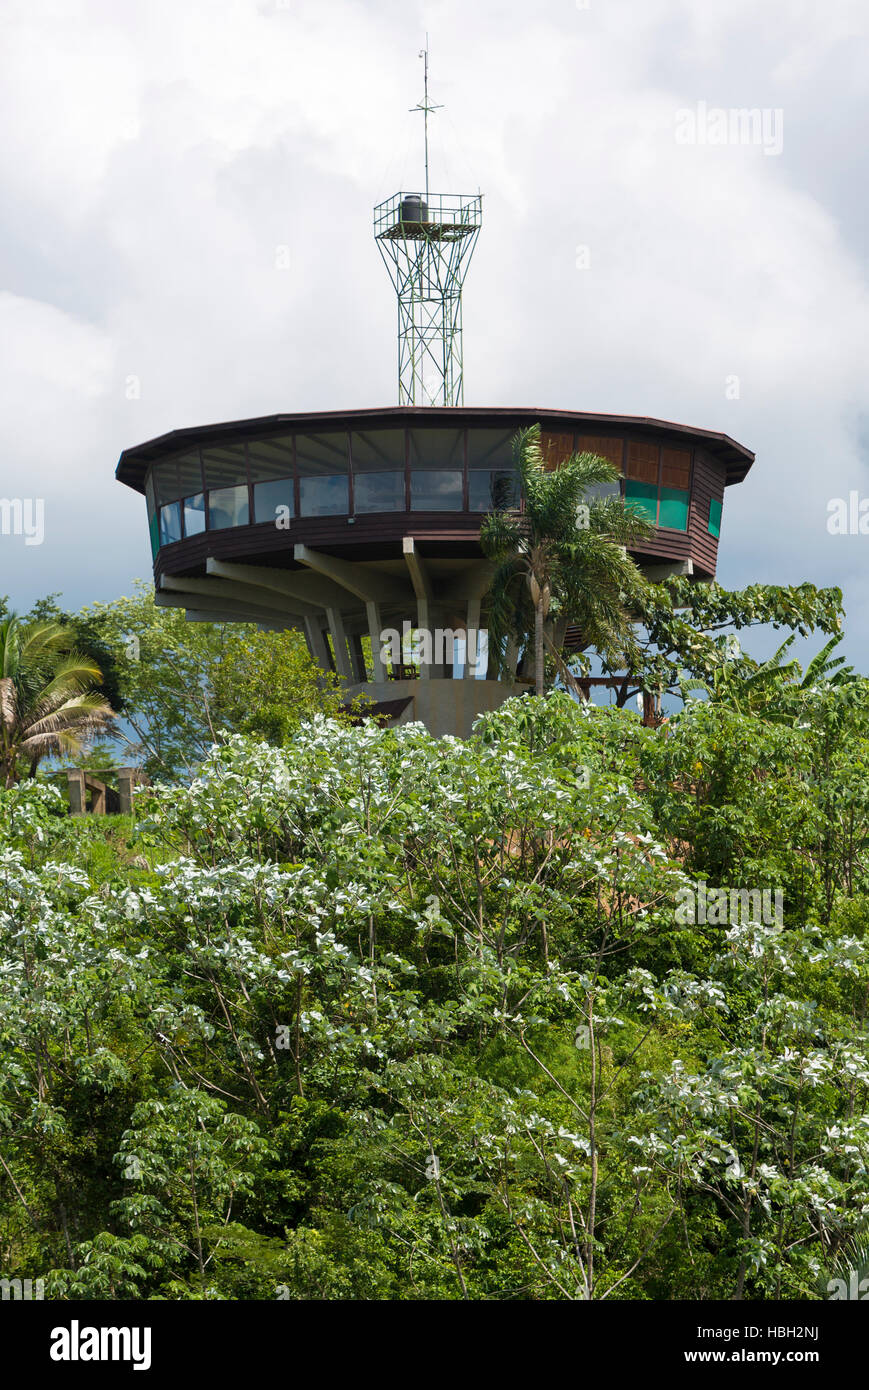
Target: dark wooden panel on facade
[[708, 483], [642, 461], [676, 468]]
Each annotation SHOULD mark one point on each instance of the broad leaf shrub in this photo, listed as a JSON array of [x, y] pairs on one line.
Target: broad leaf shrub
[[379, 1016]]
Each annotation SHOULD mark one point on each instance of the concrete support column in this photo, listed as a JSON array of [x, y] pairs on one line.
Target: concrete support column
[[126, 782], [423, 621], [375, 627], [317, 644], [472, 626], [422, 588], [357, 658], [339, 642], [76, 793]]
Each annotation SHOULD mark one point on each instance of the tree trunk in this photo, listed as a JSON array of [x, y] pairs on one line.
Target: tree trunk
[[538, 645]]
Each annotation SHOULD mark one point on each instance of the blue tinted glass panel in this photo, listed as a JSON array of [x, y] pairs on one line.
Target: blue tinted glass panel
[[170, 523], [436, 492], [379, 492], [269, 497], [323, 496], [194, 514], [228, 506]]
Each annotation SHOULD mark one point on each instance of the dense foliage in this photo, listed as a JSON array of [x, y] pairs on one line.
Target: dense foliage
[[381, 1016], [50, 701], [175, 684]]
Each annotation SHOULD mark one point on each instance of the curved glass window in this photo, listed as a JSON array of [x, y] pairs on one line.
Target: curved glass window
[[327, 496], [170, 523], [274, 500], [194, 514], [436, 490], [490, 449], [491, 480], [322, 464], [224, 466], [492, 491], [379, 492], [437, 449], [318, 454], [178, 477], [378, 451], [270, 458], [228, 506]]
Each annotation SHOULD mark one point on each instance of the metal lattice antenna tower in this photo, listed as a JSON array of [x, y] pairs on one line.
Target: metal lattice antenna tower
[[426, 243]]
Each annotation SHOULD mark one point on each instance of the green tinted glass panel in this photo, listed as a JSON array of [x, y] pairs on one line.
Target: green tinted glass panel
[[674, 509], [155, 537], [714, 518], [643, 497]]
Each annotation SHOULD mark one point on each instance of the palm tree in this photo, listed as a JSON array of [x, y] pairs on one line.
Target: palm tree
[[563, 555], [48, 700]]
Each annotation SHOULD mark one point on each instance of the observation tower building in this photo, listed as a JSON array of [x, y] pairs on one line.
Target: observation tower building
[[350, 523]]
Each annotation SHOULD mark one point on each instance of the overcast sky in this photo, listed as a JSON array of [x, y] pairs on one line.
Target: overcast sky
[[158, 156]]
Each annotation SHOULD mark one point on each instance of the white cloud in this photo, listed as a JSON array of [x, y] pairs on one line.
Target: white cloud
[[157, 154]]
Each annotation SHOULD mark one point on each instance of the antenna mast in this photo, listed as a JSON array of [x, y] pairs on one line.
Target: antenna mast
[[426, 243], [425, 106]]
